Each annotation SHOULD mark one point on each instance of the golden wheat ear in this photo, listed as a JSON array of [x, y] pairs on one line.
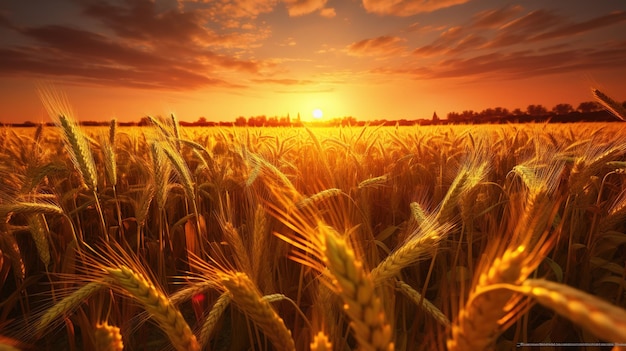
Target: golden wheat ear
[[108, 338], [611, 105], [354, 284], [157, 304], [321, 343], [66, 305], [606, 321], [248, 299]]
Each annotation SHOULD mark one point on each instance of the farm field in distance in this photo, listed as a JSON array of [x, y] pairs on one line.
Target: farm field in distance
[[351, 238]]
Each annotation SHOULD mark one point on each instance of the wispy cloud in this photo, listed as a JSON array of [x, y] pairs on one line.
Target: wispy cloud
[[501, 65], [493, 18], [407, 7], [145, 46], [379, 46], [284, 81], [508, 27], [585, 26]]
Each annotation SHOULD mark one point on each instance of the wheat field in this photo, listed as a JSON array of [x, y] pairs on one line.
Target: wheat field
[[369, 238]]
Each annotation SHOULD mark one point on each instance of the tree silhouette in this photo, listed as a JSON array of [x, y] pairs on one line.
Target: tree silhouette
[[536, 110], [589, 106], [562, 109]]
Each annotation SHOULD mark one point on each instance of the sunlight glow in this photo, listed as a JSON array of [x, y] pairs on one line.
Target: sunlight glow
[[317, 113]]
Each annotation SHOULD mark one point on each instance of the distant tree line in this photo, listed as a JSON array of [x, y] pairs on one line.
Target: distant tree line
[[588, 111]]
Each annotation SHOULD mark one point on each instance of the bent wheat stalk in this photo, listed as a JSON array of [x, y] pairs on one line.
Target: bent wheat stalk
[[422, 302], [214, 316], [247, 297], [606, 321], [158, 305], [67, 304], [421, 243]]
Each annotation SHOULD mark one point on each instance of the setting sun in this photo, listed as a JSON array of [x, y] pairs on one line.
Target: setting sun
[[317, 113]]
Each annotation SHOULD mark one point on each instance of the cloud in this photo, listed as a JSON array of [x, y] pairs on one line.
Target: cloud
[[141, 20], [303, 7], [518, 64], [446, 41], [407, 7], [507, 27], [218, 10], [494, 18], [533, 21], [84, 56], [328, 12], [284, 81], [379, 46], [26, 63], [581, 27]]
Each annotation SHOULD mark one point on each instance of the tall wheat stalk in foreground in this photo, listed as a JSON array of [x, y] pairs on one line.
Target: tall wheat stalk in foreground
[[486, 312], [76, 144], [330, 253]]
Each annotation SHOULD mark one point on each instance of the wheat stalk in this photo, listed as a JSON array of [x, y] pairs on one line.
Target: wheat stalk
[[321, 343], [67, 304], [422, 242], [157, 304], [214, 316], [355, 286], [39, 232], [234, 239], [317, 198], [605, 321], [31, 208], [246, 296], [260, 246], [423, 303], [418, 213], [611, 105], [373, 182], [479, 323], [161, 173], [470, 175], [108, 338]]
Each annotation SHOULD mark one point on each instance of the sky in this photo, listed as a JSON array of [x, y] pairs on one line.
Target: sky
[[370, 59]]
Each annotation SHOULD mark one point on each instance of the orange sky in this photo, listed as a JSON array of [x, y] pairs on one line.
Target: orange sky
[[370, 59]]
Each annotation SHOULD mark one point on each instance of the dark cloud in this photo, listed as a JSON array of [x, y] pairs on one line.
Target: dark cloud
[[24, 63], [522, 64], [139, 19], [82, 55], [145, 47], [90, 46]]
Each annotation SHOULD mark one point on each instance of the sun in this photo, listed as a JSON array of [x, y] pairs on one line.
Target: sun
[[317, 113]]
